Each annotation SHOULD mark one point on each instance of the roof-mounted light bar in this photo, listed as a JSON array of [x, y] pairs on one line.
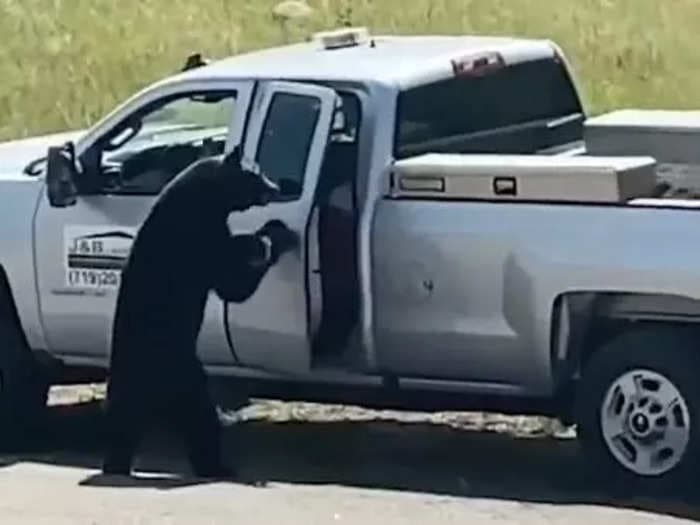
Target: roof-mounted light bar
[[340, 38]]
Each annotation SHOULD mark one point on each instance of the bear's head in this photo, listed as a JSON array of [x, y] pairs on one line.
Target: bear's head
[[245, 188]]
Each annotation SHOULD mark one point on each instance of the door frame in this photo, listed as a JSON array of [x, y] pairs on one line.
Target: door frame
[[254, 345]]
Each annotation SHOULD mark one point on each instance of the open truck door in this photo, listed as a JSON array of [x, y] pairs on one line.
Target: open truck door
[[287, 138]]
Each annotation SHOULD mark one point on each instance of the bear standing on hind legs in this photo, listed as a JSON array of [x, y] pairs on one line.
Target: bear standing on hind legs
[[182, 251]]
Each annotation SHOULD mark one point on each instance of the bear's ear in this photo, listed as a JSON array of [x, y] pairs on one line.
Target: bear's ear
[[232, 161]]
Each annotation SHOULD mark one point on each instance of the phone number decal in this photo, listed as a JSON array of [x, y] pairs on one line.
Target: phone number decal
[[95, 279]]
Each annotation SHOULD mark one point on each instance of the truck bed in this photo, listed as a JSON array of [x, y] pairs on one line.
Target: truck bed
[[671, 137]]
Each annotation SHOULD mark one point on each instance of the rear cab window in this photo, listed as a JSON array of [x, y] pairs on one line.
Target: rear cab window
[[520, 108]]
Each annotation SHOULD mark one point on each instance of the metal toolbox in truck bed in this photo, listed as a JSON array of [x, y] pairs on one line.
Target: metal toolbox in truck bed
[[671, 137], [524, 178]]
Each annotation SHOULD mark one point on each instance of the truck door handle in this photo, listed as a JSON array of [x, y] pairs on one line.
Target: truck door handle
[[316, 271]]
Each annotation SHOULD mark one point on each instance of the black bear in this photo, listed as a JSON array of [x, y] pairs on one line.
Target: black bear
[[182, 251]]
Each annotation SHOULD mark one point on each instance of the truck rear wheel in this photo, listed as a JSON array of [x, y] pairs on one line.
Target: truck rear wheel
[[24, 386], [638, 408]]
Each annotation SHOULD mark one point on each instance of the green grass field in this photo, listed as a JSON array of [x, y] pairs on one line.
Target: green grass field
[[64, 63]]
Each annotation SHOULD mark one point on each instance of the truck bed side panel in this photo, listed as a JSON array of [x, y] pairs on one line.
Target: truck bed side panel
[[464, 290]]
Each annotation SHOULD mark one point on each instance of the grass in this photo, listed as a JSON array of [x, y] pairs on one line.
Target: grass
[[64, 63]]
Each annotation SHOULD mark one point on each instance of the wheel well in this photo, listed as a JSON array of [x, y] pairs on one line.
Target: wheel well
[[58, 372], [582, 322], [8, 308]]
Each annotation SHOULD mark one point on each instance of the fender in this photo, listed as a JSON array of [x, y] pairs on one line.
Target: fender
[[582, 321]]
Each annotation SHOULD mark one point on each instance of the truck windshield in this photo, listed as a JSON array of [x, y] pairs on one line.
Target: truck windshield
[[520, 109]]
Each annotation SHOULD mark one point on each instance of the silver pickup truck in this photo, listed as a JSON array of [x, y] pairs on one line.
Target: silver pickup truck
[[461, 250]]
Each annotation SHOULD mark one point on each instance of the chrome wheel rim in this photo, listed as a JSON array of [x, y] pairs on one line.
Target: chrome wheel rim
[[645, 422]]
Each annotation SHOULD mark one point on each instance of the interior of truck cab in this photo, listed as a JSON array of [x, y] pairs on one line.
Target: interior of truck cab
[[145, 152], [338, 213]]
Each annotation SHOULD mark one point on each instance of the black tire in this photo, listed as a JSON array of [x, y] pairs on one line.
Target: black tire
[[24, 384], [673, 353]]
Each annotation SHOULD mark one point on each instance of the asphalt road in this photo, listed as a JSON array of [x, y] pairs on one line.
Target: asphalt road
[[311, 465]]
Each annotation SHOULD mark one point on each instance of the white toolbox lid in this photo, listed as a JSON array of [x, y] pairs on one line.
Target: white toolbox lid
[[524, 177]]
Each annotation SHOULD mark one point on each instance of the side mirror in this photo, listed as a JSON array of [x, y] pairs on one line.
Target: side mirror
[[60, 176]]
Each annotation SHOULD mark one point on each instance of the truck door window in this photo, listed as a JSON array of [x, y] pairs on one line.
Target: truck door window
[[286, 137], [147, 149], [505, 111]]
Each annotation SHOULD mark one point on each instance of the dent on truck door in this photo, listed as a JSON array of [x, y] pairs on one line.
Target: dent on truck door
[[287, 139]]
